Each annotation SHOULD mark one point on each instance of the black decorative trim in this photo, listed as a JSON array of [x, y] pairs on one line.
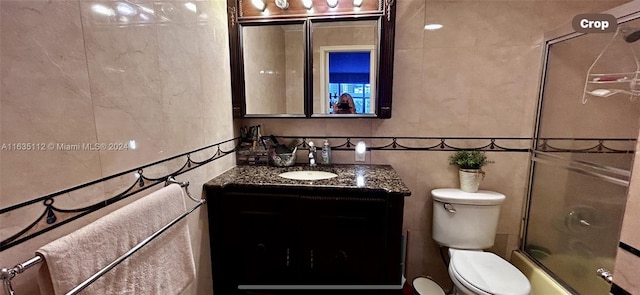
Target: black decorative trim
[[140, 184], [493, 144], [617, 290], [592, 145], [430, 143], [629, 248]]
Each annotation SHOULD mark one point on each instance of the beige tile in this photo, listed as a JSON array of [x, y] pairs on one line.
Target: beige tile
[[119, 125], [406, 92], [434, 171], [122, 61], [218, 129], [109, 13], [445, 99], [503, 81], [401, 161], [214, 57], [179, 64], [174, 12], [409, 24], [500, 245], [45, 99], [402, 123], [517, 24], [348, 127], [626, 273], [459, 20]]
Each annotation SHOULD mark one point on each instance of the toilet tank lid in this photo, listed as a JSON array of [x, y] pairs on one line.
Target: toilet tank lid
[[456, 196]]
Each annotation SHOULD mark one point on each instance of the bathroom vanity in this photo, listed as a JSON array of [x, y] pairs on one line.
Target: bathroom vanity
[[272, 234]]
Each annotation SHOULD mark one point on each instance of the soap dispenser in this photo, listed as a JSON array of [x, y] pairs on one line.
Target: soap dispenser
[[326, 153]]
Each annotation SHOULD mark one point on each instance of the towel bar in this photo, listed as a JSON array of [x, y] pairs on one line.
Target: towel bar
[[126, 255], [7, 274]]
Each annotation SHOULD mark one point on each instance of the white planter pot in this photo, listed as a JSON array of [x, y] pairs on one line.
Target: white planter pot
[[470, 179]]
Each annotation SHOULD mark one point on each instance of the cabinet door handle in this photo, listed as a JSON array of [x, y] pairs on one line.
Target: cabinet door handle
[[341, 255], [311, 258], [288, 257]]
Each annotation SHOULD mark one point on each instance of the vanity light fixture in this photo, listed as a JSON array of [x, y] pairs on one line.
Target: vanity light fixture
[[282, 4], [357, 3], [308, 4], [332, 3], [259, 4]]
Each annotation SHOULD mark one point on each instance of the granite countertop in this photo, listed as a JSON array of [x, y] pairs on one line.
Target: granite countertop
[[372, 177]]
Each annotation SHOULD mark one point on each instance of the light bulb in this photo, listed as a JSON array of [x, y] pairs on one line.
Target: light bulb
[[259, 4], [307, 4]]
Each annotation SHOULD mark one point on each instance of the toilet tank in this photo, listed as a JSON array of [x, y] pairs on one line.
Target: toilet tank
[[465, 220]]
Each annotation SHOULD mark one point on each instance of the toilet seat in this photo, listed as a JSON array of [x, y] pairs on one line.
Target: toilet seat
[[488, 273]]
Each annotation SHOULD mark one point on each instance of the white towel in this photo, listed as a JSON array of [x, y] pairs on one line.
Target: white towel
[[164, 266]]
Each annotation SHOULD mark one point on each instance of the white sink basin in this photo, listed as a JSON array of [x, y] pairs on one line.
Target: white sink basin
[[308, 175]]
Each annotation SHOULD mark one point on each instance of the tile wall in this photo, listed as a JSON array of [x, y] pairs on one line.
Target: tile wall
[[75, 72]]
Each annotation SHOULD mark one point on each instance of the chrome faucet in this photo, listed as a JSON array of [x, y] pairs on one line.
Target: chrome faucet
[[312, 154]]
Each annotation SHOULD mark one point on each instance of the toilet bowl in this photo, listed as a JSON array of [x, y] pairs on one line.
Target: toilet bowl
[[477, 273], [485, 273], [466, 223]]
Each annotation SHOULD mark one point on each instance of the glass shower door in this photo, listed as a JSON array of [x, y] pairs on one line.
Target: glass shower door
[[575, 216], [582, 158]]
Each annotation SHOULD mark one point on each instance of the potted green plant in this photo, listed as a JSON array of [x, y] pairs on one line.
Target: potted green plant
[[469, 164]]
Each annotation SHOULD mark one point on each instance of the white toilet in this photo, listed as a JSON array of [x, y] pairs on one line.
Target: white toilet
[[466, 223]]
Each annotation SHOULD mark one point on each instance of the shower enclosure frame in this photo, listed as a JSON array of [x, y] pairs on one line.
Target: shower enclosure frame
[[623, 13]]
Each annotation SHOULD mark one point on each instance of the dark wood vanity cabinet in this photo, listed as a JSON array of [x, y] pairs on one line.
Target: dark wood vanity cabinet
[[304, 238]]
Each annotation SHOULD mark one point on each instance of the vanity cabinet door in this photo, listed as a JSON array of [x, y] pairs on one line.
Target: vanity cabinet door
[[259, 247], [342, 240]]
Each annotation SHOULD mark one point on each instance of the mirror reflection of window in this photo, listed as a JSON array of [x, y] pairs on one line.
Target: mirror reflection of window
[[349, 73], [345, 55]]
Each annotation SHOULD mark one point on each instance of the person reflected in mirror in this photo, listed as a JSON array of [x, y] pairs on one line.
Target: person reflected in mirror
[[345, 105]]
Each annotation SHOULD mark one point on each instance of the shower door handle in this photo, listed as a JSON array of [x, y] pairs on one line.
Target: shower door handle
[[605, 275]]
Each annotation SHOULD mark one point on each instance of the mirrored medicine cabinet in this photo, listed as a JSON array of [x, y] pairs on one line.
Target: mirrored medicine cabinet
[[290, 61]]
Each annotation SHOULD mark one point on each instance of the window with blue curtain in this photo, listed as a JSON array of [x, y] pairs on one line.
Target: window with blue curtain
[[349, 72]]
